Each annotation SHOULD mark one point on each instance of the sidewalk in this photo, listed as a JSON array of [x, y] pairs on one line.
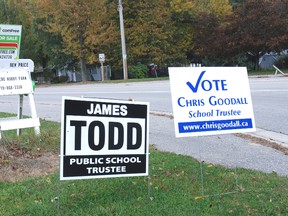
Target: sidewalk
[[280, 139], [227, 150]]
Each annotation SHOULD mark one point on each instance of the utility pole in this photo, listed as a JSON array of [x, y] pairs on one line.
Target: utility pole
[[124, 55]]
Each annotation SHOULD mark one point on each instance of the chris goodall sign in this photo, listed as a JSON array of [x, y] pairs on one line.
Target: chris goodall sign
[[211, 100]]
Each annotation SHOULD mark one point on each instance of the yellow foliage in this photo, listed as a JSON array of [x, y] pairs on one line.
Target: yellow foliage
[[220, 7], [83, 25]]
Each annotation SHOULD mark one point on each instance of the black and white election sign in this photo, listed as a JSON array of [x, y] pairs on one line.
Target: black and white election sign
[[103, 138]]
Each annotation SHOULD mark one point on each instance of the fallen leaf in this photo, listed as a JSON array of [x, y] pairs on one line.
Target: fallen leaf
[[48, 180], [54, 199], [168, 173], [38, 201]]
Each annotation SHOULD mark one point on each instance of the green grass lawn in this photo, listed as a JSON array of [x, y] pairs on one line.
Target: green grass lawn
[[174, 186], [269, 71]]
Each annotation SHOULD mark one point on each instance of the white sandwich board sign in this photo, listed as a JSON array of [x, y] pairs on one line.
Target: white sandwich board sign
[[26, 64], [103, 138], [15, 79], [13, 82], [211, 100]]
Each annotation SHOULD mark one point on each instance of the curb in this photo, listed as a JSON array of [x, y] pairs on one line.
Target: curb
[[279, 138]]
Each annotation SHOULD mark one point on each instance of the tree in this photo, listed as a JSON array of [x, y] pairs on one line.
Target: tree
[[148, 31], [10, 11], [254, 28], [257, 27], [3, 12], [208, 40], [196, 22], [162, 31], [19, 13], [83, 26]]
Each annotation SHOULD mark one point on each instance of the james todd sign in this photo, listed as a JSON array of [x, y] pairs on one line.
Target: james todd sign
[[211, 100], [103, 138]]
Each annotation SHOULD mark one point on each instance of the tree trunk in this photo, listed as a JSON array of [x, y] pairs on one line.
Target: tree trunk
[[257, 57], [83, 69], [82, 58]]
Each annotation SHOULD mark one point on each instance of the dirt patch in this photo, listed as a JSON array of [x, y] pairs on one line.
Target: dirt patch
[[264, 142], [16, 165]]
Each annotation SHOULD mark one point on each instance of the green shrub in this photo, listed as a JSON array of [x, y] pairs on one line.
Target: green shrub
[[282, 62], [59, 79], [138, 71]]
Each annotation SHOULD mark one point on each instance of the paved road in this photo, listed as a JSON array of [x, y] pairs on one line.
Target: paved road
[[270, 101]]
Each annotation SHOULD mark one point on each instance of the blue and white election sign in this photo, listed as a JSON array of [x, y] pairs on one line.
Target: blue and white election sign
[[211, 100], [103, 138]]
